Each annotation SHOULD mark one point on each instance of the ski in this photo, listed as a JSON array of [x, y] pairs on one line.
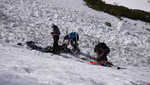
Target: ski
[[94, 62]]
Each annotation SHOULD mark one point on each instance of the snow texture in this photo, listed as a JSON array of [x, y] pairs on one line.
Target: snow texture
[[25, 20], [132, 4]]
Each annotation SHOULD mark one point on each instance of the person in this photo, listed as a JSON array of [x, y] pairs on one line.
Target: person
[[72, 40], [102, 50], [55, 35]]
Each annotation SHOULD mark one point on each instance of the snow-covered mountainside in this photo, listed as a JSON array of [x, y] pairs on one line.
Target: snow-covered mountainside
[[20, 66], [132, 4], [24, 20]]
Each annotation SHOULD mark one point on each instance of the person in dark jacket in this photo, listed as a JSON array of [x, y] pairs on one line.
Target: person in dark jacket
[[71, 39], [55, 34], [102, 50]]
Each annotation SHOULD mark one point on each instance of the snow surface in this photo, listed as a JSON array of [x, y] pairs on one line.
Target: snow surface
[[132, 4], [21, 66], [25, 20]]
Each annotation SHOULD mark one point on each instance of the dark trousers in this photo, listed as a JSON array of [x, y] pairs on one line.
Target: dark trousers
[[102, 58], [55, 44], [74, 44], [104, 61]]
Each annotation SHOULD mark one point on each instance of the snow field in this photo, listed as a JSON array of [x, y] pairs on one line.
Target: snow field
[[24, 20]]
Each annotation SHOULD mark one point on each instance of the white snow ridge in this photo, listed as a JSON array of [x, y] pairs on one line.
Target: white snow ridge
[[25, 20]]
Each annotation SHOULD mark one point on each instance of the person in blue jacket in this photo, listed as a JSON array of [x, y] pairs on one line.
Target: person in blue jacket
[[71, 39]]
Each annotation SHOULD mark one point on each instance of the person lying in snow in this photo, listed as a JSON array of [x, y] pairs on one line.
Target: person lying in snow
[[102, 50], [71, 40]]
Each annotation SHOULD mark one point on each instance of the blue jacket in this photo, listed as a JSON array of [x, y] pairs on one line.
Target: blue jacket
[[72, 36]]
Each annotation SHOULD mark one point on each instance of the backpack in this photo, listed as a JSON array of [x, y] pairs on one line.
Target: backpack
[[102, 46], [73, 35]]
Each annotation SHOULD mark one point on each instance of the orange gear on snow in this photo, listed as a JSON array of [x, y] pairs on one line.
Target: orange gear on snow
[[94, 62]]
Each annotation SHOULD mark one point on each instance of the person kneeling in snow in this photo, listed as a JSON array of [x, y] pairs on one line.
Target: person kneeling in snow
[[102, 50], [71, 40]]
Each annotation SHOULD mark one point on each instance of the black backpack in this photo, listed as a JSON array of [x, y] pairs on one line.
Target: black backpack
[[102, 46]]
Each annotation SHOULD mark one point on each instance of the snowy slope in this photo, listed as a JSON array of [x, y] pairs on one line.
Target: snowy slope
[[24, 20], [132, 4], [31, 20], [20, 66]]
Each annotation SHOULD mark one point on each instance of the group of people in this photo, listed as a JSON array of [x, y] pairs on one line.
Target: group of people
[[70, 39], [101, 49]]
